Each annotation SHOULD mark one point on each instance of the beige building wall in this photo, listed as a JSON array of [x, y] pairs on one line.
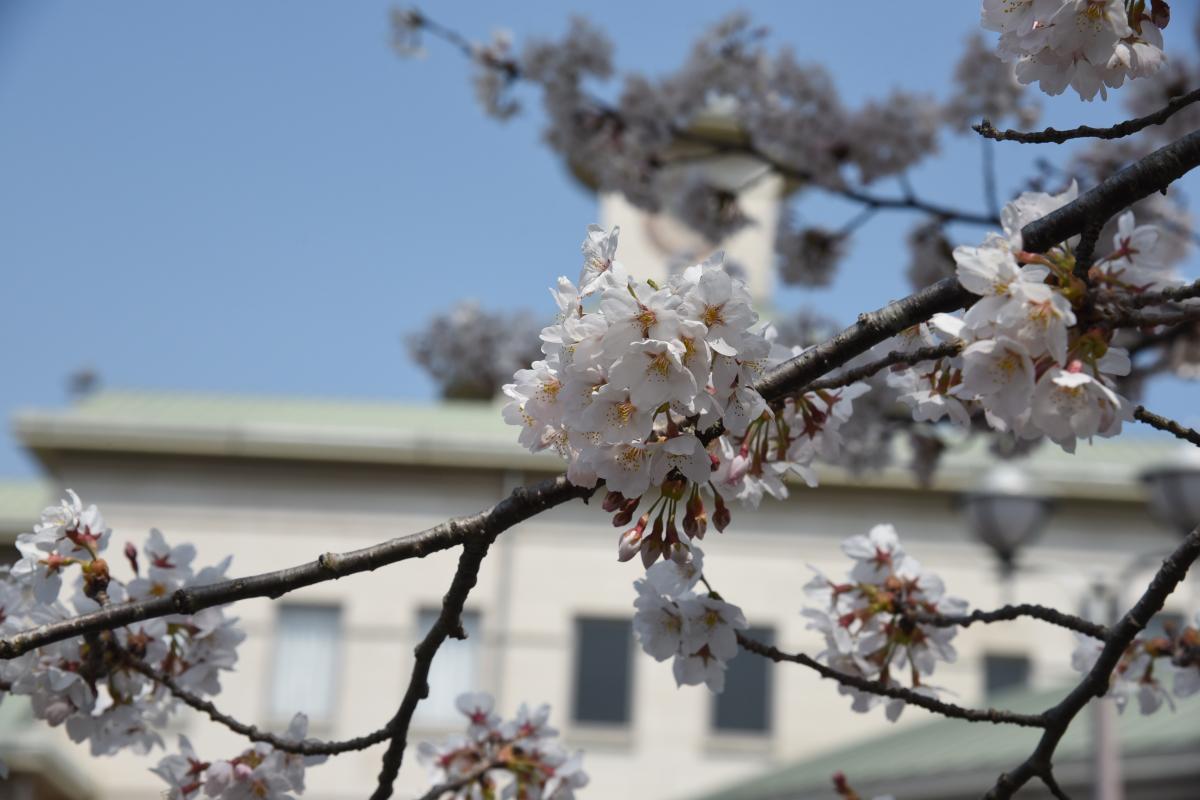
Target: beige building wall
[[542, 575]]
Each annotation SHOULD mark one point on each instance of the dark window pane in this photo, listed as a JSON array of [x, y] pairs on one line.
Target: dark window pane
[[1004, 672], [745, 705], [602, 670]]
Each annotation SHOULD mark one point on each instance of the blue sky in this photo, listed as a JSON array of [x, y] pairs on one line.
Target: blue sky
[[262, 198]]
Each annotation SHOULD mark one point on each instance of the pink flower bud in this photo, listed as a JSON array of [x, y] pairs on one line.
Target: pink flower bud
[[131, 555], [629, 544]]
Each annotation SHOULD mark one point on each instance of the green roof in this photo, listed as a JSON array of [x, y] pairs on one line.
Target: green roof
[[473, 434], [20, 503], [943, 751]]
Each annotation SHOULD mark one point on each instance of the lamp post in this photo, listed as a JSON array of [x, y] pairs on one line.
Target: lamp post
[[1173, 490], [1006, 514]]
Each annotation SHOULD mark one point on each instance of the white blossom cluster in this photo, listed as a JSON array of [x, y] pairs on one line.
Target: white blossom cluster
[[260, 773], [697, 630], [515, 758], [1152, 669], [868, 620], [88, 684], [1089, 45], [635, 375], [1025, 361]]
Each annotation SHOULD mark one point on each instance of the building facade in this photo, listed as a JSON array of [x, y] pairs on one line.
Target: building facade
[[278, 482]]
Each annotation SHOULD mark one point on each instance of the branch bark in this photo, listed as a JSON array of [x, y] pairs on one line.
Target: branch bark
[[1095, 683], [519, 506], [994, 716], [1118, 131]]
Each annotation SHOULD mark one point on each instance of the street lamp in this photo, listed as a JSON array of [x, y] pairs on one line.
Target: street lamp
[[1004, 513], [1173, 490]]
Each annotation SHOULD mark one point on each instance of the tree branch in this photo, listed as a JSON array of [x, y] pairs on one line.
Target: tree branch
[[931, 353], [1153, 173], [895, 692], [1141, 414], [308, 747], [523, 503], [1012, 612], [440, 789], [448, 623], [1095, 683], [1120, 130], [1168, 295]]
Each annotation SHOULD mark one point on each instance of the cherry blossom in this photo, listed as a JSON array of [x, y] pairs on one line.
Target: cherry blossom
[[1089, 45], [868, 624], [503, 758]]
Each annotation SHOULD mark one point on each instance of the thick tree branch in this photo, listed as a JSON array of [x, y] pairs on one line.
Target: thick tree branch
[[1120, 130], [1095, 683], [1012, 612], [1141, 414], [519, 506], [991, 715], [872, 328], [1151, 174]]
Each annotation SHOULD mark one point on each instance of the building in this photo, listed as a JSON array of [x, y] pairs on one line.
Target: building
[[278, 481]]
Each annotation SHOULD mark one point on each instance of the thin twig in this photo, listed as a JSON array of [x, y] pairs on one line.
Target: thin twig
[[991, 715], [1141, 414], [1143, 299], [931, 353], [440, 789], [308, 747], [1121, 129], [1012, 612]]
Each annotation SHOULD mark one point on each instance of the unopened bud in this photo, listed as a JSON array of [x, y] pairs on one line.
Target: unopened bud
[[131, 556], [629, 544], [672, 532], [1160, 13], [651, 550], [721, 517]]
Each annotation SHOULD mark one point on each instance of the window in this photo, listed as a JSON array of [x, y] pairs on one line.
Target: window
[[307, 644], [455, 670], [603, 667], [745, 705], [1004, 672]]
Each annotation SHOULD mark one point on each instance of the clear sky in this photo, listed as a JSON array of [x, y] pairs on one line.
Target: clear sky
[[262, 198]]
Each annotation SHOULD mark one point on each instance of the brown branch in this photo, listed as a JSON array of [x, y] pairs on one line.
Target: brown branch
[[435, 792], [1149, 319], [1141, 414], [308, 747], [1120, 130], [931, 353], [1143, 299], [1095, 683], [991, 715], [448, 623], [1012, 612], [872, 328], [519, 506], [1153, 173]]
